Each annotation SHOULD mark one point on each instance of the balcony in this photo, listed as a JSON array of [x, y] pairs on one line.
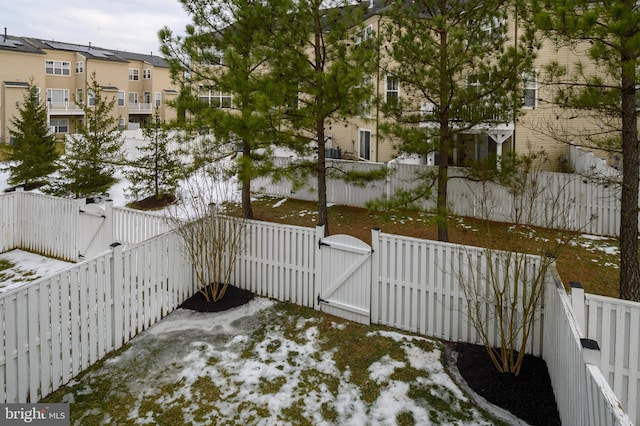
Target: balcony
[[140, 108], [478, 116], [64, 108]]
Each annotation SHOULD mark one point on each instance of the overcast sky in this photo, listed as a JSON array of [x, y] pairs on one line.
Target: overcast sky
[[130, 25]]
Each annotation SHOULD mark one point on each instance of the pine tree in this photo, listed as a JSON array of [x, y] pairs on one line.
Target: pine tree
[[92, 155], [156, 171], [457, 69], [325, 74], [603, 90], [227, 51], [34, 152]]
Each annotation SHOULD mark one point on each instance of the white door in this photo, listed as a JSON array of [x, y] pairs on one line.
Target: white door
[[345, 278]]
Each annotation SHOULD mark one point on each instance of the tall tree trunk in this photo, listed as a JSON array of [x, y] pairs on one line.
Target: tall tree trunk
[[629, 266], [247, 208], [323, 215], [441, 198], [443, 143]]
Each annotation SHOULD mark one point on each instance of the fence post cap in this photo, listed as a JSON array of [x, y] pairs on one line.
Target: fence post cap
[[590, 351]]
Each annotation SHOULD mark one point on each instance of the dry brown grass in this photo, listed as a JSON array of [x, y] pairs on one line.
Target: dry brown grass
[[596, 270]]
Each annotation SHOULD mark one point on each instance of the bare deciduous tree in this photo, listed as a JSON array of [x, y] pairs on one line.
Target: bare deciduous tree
[[505, 289], [212, 240]]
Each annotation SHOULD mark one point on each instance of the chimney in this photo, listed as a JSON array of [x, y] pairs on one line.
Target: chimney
[[5, 33]]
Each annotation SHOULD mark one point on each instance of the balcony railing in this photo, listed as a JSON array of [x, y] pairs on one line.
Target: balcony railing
[[145, 108], [468, 114], [60, 108]]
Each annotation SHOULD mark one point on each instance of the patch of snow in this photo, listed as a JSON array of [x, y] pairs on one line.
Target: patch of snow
[[187, 348], [279, 203], [27, 267]]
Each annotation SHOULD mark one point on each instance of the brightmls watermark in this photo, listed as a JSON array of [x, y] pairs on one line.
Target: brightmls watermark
[[36, 414]]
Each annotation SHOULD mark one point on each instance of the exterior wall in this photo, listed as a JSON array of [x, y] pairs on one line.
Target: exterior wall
[[547, 127], [20, 68]]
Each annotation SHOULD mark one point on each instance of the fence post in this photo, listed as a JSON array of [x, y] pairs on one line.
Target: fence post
[[80, 230], [375, 267], [318, 266], [117, 296], [577, 305], [108, 233]]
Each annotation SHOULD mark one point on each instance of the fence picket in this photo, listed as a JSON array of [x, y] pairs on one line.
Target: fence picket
[[632, 402], [56, 346], [11, 350], [43, 302], [22, 345], [65, 326]]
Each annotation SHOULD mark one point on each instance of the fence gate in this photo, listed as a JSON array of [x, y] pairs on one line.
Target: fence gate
[[344, 278], [92, 229]]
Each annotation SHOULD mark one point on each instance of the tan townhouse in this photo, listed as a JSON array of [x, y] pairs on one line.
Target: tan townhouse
[[541, 126], [62, 71]]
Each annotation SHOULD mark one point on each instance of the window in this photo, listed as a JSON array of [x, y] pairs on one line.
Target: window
[[133, 98], [146, 74], [364, 109], [79, 67], [365, 144], [530, 86], [60, 125], [210, 56], [496, 28], [215, 99], [121, 98], [134, 74], [365, 34], [474, 83], [57, 67], [292, 100], [392, 93], [91, 98], [492, 29], [146, 98], [158, 99], [57, 97], [80, 96]]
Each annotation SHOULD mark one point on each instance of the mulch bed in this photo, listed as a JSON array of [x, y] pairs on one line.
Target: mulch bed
[[528, 396], [152, 202], [233, 297]]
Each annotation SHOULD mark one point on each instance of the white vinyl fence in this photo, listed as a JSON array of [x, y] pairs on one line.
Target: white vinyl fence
[[71, 229], [552, 200], [416, 287], [54, 328], [582, 393], [176, 143], [615, 325], [586, 163]]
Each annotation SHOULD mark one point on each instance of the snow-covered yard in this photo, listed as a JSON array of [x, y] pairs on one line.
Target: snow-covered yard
[[269, 363]]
